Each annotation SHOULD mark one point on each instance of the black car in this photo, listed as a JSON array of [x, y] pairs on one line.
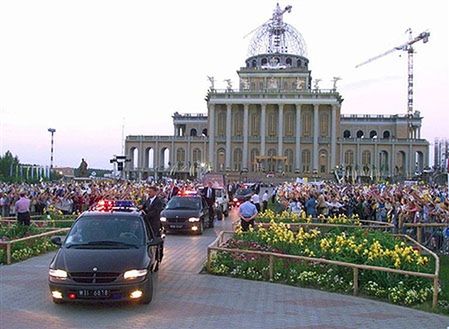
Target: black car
[[106, 256], [241, 195], [188, 213]]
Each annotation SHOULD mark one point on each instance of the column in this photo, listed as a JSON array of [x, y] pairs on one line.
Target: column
[[140, 160], [245, 137], [211, 135], [263, 128], [298, 139], [280, 129], [333, 137], [316, 132], [228, 136], [411, 157]]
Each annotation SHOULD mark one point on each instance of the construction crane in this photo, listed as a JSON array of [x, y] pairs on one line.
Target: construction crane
[[424, 36]]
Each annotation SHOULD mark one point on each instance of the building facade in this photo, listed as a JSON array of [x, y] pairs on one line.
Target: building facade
[[279, 121]]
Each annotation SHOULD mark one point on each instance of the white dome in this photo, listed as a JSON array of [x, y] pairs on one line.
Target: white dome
[[277, 37]]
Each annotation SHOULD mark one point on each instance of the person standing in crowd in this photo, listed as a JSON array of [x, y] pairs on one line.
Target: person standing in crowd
[[22, 208], [311, 205], [209, 195], [173, 191], [153, 207], [265, 201], [247, 213], [255, 199]]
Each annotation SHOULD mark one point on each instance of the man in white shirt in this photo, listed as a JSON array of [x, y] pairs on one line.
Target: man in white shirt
[[265, 201], [255, 199]]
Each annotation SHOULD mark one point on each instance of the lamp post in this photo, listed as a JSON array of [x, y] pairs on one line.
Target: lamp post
[[52, 131]]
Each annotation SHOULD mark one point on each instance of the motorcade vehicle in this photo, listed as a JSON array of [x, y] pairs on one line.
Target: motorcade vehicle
[[242, 194], [187, 212], [110, 254]]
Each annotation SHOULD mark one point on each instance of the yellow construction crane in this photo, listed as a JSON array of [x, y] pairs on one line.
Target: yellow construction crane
[[424, 36]]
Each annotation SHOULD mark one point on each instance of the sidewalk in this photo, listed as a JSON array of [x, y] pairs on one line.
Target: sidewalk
[[186, 299]]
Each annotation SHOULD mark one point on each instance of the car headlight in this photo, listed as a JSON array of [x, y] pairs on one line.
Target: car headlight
[[163, 219], [193, 219], [133, 274], [235, 200], [59, 274]]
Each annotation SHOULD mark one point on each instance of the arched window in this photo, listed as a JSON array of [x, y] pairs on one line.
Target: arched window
[[323, 161], [360, 134], [193, 132], [237, 163], [298, 63], [196, 155], [288, 61], [254, 164], [349, 158], [386, 134], [204, 132], [366, 158], [373, 134], [264, 61], [271, 162], [306, 161], [254, 63], [288, 153], [180, 157], [346, 134], [221, 159]]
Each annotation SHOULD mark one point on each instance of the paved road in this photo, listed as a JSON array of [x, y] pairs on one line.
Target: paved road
[[186, 299]]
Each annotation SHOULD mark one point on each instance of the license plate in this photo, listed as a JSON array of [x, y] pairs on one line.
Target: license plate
[[94, 293], [175, 226]]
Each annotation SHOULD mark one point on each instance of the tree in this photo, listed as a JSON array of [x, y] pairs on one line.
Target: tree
[[8, 165]]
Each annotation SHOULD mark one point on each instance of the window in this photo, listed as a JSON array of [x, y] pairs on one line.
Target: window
[[289, 123], [386, 134], [254, 153], [237, 163], [373, 134], [323, 161], [193, 132], [324, 125], [307, 124], [346, 134], [271, 123], [306, 161], [366, 158], [349, 157], [360, 134], [254, 123], [238, 122], [264, 61], [196, 155], [298, 63], [254, 63], [180, 157], [288, 153], [288, 61], [221, 131]]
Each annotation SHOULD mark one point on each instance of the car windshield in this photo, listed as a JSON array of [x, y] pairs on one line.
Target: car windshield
[[190, 203], [243, 191], [110, 231]]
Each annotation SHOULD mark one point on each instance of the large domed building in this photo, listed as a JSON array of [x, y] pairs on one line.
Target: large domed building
[[280, 121]]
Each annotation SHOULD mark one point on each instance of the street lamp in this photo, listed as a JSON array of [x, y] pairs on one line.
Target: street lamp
[[52, 131]]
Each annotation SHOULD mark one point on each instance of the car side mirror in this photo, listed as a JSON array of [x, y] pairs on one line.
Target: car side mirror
[[56, 240], [156, 241]]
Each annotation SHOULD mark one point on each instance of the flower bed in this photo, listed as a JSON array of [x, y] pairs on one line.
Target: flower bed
[[18, 242], [290, 217], [330, 261]]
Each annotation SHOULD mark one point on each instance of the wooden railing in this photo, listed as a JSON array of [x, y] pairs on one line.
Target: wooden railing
[[420, 226], [7, 244], [217, 245]]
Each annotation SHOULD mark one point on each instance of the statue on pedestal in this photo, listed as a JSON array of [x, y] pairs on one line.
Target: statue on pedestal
[[82, 169]]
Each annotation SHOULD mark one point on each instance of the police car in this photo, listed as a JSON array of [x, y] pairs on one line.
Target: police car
[[187, 212], [110, 254]]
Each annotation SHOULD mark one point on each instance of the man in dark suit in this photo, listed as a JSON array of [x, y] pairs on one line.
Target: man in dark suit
[[209, 195], [153, 207]]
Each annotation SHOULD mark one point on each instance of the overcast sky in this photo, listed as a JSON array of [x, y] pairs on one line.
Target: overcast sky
[[89, 67]]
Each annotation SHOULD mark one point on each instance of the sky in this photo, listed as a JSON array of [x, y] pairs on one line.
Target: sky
[[97, 70]]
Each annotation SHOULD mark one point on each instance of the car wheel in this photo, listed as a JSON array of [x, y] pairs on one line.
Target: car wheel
[[58, 301], [148, 291]]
